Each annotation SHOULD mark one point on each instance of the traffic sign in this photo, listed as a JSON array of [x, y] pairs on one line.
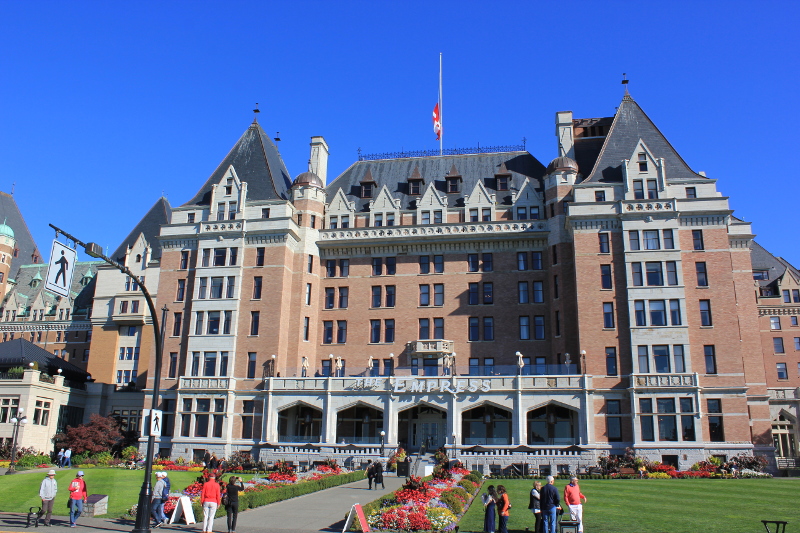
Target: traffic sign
[[152, 422], [60, 269]]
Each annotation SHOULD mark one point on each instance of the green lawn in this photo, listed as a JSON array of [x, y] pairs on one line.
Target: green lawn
[[21, 491], [662, 505]]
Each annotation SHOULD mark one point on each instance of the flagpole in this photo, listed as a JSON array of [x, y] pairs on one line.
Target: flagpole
[[441, 123]]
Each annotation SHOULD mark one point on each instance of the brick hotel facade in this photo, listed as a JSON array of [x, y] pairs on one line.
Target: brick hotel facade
[[547, 314]]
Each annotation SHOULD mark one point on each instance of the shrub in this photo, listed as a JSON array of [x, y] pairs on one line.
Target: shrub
[[472, 477], [103, 458], [32, 460], [468, 485], [453, 502]]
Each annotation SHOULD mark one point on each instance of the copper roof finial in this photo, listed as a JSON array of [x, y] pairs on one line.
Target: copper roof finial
[[256, 111], [625, 83]]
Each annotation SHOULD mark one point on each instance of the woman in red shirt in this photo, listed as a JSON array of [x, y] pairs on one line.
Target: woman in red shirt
[[503, 505], [210, 499]]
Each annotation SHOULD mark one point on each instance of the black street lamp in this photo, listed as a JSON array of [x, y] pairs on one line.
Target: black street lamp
[[383, 441], [95, 250], [18, 421]]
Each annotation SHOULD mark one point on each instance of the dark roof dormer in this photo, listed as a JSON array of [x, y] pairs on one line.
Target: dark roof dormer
[[368, 185], [502, 178], [453, 180], [415, 182]]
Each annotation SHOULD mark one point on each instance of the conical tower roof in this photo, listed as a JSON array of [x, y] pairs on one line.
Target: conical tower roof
[[631, 124], [256, 160]]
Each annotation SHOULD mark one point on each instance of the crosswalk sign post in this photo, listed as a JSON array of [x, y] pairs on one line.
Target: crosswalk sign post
[[60, 269]]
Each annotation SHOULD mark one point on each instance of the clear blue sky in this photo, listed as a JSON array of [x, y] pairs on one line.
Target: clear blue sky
[[104, 105]]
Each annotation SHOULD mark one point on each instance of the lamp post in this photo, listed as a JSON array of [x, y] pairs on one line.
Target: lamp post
[[455, 447], [583, 361], [520, 362], [95, 250], [391, 358], [18, 421], [383, 441]]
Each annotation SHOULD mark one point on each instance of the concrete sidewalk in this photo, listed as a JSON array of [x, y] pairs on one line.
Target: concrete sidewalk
[[322, 511]]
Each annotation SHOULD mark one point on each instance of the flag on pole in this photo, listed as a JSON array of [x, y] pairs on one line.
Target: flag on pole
[[437, 122]]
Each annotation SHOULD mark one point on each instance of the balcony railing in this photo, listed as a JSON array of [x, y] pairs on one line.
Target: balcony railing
[[207, 383], [299, 438], [664, 380], [432, 347]]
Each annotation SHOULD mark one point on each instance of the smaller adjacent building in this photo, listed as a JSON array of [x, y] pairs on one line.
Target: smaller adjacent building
[[50, 392]]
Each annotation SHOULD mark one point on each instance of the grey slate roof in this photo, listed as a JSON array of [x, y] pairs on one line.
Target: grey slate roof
[[150, 225], [761, 259], [630, 125], [82, 295], [394, 173], [257, 161], [28, 252], [20, 352]]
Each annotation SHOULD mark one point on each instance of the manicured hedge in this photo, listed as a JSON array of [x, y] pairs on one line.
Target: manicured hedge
[[251, 500]]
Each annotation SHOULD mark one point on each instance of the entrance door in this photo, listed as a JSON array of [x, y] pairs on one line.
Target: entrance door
[[428, 431]]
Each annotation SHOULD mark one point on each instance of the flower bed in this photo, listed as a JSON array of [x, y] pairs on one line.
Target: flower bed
[[430, 504]]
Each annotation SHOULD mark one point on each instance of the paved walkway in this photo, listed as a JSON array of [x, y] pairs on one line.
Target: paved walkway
[[322, 511]]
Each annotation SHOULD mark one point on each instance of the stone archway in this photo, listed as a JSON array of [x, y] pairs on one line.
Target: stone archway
[[359, 424], [553, 425], [422, 423], [300, 423], [486, 424]]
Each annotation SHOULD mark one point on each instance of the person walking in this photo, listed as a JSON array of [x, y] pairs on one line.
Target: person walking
[[165, 496], [156, 499], [235, 485], [378, 471], [489, 506], [370, 472], [550, 504], [209, 499], [535, 506], [77, 497], [67, 458], [47, 492], [573, 497], [503, 506], [60, 459]]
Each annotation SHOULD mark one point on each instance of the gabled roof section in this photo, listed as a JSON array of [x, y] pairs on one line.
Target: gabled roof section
[[150, 227], [776, 267], [27, 252], [81, 296], [631, 124], [257, 162], [473, 168]]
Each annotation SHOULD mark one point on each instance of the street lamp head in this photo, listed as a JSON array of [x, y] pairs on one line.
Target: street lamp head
[[59, 370], [20, 410], [518, 354], [23, 420], [391, 355], [331, 356], [583, 352], [383, 433], [94, 250], [30, 364], [273, 356], [14, 420]]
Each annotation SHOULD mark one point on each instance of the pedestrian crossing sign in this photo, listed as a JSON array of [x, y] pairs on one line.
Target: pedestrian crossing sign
[[60, 269]]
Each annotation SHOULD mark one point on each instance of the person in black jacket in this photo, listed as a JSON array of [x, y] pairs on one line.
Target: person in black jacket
[[234, 487], [379, 474], [536, 507]]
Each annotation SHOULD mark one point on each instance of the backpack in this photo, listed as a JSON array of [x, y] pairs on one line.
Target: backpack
[[167, 485]]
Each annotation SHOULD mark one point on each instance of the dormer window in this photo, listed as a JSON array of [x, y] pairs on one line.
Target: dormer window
[[691, 192], [642, 162], [333, 222], [345, 221], [221, 211], [390, 219], [34, 283], [415, 187], [190, 218], [453, 185], [599, 196], [366, 189], [437, 217], [502, 183], [229, 187], [426, 217], [231, 210]]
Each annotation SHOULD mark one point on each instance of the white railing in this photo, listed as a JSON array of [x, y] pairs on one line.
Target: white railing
[[207, 383], [397, 232]]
